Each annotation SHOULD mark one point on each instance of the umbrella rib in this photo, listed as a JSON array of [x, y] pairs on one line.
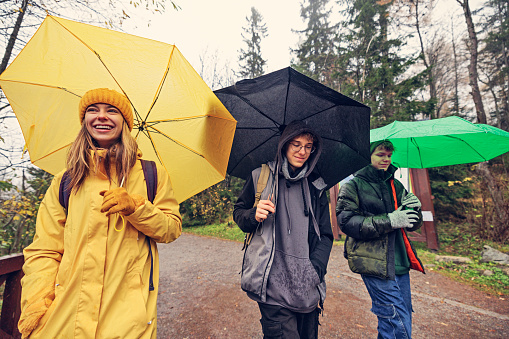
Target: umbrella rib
[[42, 85], [175, 141], [286, 102], [256, 109], [274, 129], [286, 96], [466, 143], [146, 132], [323, 110], [146, 125], [47, 155], [247, 153], [336, 140], [161, 83], [418, 150], [102, 62]]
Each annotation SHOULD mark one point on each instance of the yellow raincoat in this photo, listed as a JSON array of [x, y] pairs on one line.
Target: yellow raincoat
[[97, 276]]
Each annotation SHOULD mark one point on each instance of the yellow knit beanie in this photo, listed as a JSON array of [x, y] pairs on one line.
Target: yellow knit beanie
[[107, 96]]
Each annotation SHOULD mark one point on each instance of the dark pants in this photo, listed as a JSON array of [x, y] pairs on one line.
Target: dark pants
[[281, 323]]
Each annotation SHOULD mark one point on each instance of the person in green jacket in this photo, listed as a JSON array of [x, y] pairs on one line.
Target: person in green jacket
[[375, 211]]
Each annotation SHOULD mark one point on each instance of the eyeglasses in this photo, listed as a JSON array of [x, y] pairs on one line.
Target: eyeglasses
[[297, 148]]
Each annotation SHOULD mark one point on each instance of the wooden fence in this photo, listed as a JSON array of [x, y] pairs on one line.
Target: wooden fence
[[11, 274]]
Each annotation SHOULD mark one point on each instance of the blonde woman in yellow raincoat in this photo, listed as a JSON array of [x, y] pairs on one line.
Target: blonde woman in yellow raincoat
[[86, 272]]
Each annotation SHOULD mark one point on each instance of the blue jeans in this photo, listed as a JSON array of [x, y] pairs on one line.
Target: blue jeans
[[391, 302]]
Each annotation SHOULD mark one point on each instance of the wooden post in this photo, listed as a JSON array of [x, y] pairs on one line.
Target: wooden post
[[422, 189], [333, 194], [11, 273]]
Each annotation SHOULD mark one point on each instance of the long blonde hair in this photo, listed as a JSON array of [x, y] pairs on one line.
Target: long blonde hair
[[123, 153]]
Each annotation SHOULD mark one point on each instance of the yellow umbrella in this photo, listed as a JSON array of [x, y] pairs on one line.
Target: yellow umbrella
[[179, 121]]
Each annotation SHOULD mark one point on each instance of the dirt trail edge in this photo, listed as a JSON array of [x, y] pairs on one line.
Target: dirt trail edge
[[200, 297]]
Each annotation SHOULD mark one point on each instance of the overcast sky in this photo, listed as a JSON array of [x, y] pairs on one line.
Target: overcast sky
[[216, 26]]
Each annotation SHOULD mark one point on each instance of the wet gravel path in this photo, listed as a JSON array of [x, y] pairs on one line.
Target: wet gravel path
[[200, 297]]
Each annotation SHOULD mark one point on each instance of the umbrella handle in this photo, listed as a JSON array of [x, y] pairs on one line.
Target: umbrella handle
[[123, 224], [121, 216]]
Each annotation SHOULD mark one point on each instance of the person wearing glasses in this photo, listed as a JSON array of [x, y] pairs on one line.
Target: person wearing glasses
[[290, 235]]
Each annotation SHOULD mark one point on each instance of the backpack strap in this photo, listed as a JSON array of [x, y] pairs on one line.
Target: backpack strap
[[260, 186], [262, 183], [150, 173], [64, 190]]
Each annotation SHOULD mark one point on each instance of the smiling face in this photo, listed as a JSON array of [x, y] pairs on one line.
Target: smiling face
[[381, 158], [104, 123], [298, 151]]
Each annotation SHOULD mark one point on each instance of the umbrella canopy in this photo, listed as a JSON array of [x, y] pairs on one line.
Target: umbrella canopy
[[265, 105], [178, 121], [442, 142]]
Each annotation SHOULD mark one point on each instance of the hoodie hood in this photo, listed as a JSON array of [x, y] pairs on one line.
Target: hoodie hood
[[293, 129]]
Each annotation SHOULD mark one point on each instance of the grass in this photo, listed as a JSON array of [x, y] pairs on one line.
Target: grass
[[460, 240], [455, 240], [227, 230]]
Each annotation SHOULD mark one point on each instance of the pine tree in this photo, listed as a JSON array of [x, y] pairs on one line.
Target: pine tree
[[250, 59], [372, 67], [316, 54]]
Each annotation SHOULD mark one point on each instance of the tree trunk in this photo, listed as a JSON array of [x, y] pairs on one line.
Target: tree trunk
[[14, 36], [504, 116], [504, 112], [428, 66], [456, 107], [472, 67]]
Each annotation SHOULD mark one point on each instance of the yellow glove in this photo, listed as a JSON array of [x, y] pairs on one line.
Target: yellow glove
[[34, 311], [118, 200]]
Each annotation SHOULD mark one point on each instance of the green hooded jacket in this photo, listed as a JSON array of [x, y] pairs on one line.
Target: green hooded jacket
[[362, 208]]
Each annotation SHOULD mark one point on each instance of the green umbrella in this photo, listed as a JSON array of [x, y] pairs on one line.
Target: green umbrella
[[442, 142]]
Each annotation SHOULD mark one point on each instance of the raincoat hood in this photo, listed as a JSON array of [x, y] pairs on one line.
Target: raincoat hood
[[292, 130]]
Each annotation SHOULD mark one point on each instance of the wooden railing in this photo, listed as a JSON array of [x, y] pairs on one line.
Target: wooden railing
[[11, 274]]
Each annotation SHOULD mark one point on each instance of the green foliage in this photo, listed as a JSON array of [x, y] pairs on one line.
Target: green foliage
[[472, 274], [373, 69], [213, 205], [461, 239], [250, 59], [315, 54], [19, 212], [6, 186], [228, 230], [452, 188], [462, 194]]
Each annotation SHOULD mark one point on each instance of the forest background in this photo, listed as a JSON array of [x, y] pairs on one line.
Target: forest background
[[392, 55]]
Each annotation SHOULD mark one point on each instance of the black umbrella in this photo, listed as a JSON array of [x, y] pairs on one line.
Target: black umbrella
[[265, 105]]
